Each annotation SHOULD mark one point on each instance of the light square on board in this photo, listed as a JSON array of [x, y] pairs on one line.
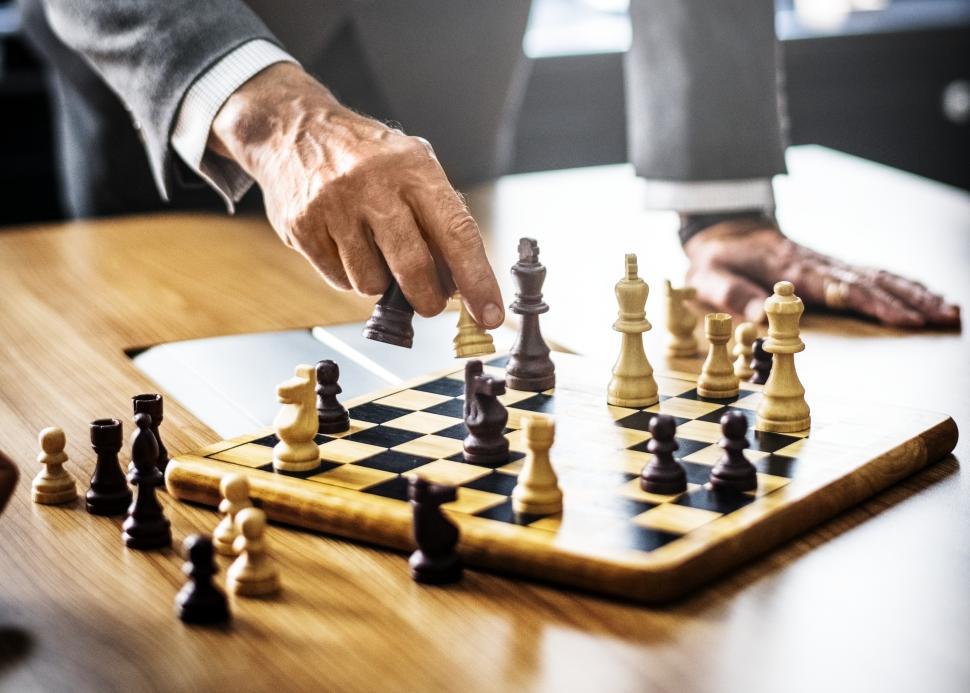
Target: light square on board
[[353, 476], [248, 455], [683, 408], [449, 472], [431, 446], [704, 431], [678, 519], [413, 400], [423, 422], [356, 426], [712, 453], [631, 489], [471, 501], [345, 451], [671, 387], [748, 402], [512, 396], [768, 483]]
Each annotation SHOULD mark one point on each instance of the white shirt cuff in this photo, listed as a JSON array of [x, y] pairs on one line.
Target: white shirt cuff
[[200, 105], [700, 197]]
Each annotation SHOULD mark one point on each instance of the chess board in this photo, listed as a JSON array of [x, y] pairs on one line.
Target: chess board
[[611, 537]]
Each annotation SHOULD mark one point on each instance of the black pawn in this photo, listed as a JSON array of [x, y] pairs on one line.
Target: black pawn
[[331, 415], [146, 526], [151, 404], [485, 418], [733, 472], [391, 320], [436, 561], [200, 601], [529, 367], [760, 362], [663, 474], [109, 493]]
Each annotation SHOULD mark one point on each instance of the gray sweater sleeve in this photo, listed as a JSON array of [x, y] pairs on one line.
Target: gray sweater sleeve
[[151, 51]]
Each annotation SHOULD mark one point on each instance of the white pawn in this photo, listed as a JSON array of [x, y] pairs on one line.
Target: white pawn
[[744, 336], [632, 384], [253, 573], [235, 497], [537, 491], [53, 484], [296, 423], [471, 339], [717, 379]]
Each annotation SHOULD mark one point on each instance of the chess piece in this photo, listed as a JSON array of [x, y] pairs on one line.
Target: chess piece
[[108, 493], [733, 472], [529, 367], [783, 408], [485, 418], [296, 423], [200, 601], [152, 404], [717, 379], [537, 491], [331, 415], [391, 320], [9, 474], [53, 484], [253, 573], [744, 336], [435, 562], [680, 322], [632, 384], [472, 339], [663, 474], [235, 497], [146, 526], [760, 362]]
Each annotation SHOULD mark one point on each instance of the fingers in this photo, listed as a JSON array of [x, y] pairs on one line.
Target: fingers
[[362, 262], [932, 306], [410, 261], [452, 230], [729, 292], [320, 250]]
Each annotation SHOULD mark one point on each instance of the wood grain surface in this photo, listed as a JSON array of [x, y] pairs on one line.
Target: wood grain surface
[[875, 599]]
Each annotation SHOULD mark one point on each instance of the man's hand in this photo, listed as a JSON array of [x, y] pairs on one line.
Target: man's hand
[[360, 200], [734, 264]]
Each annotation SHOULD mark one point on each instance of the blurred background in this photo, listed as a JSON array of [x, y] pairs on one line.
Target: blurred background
[[888, 80]]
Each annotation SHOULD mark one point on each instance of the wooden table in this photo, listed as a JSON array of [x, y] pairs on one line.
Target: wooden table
[[875, 599]]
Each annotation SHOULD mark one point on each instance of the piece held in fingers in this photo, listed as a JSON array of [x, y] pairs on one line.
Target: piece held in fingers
[[332, 417], [680, 322], [435, 562], [760, 362], [146, 526], [53, 485], [200, 601], [391, 320], [296, 423], [485, 418], [733, 472], [529, 367], [253, 573], [235, 497], [663, 474], [717, 379], [471, 339], [632, 383], [744, 336], [109, 493], [783, 408]]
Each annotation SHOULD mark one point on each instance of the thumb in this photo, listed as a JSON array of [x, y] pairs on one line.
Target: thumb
[[730, 293]]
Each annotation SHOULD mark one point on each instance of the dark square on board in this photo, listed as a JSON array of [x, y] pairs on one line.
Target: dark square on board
[[453, 407], [778, 465], [384, 436], [325, 466], [499, 361], [394, 461], [537, 403], [396, 488], [496, 482], [376, 413], [641, 421], [723, 502], [443, 386]]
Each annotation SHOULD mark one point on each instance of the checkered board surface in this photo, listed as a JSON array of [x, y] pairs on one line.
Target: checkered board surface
[[612, 536]]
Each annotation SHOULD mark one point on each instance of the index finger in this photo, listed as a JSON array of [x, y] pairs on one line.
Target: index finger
[[450, 227]]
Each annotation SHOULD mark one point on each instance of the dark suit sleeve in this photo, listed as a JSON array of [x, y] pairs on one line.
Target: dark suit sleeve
[[151, 51]]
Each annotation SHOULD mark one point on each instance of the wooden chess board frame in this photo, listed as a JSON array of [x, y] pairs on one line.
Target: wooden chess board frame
[[612, 538]]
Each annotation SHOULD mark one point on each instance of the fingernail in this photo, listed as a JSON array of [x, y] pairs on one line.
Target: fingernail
[[755, 311], [950, 312], [492, 315]]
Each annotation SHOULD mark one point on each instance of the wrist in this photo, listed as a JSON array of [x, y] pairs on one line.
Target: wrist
[[739, 221], [264, 111]]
